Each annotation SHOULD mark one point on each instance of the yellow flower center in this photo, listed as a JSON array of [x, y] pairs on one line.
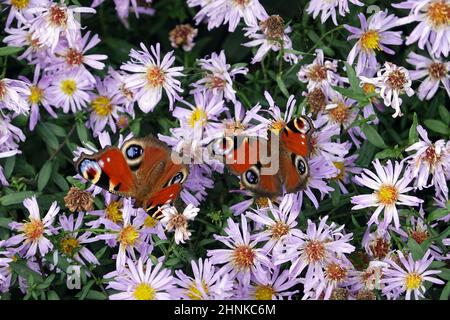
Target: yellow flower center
[[339, 114], [194, 293], [102, 106], [341, 167], [314, 250], [150, 222], [413, 281], [35, 95], [68, 86], [198, 115], [243, 257], [33, 230], [262, 202], [143, 291], [113, 211], [439, 13], [155, 77], [69, 245], [387, 194], [264, 292], [279, 229], [128, 236], [20, 4], [276, 126], [370, 41]]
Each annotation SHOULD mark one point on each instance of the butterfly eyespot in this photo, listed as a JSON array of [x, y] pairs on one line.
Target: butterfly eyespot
[[302, 125], [179, 177], [300, 165], [251, 176], [134, 151], [90, 170]]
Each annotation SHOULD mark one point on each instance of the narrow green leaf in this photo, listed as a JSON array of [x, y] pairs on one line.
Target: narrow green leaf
[[445, 274], [23, 270], [7, 51], [413, 136], [416, 250], [4, 222], [9, 166], [437, 126], [352, 77], [47, 135], [82, 132], [373, 136], [444, 114], [437, 214], [282, 86], [96, 295], [60, 182], [57, 130], [52, 295], [15, 198], [44, 175]]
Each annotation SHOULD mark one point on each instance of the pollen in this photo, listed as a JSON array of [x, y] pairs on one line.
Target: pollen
[[387, 194], [74, 57], [155, 77], [317, 73], [279, 229], [277, 126], [396, 80], [194, 293], [181, 35], [243, 257], [437, 70], [419, 235], [413, 281], [264, 292], [316, 100], [150, 222], [68, 87], [273, 27], [33, 230], [314, 251], [198, 116], [439, 13], [36, 95], [58, 16], [262, 202], [102, 106], [335, 272], [144, 291], [69, 245], [370, 41], [20, 4], [113, 211], [79, 200], [128, 236], [339, 114], [341, 167]]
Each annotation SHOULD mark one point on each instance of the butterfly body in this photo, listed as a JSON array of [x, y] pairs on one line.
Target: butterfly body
[[142, 169], [269, 167]]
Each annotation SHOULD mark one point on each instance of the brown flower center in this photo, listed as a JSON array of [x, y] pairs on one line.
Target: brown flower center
[[317, 73], [243, 257], [58, 16], [316, 100], [340, 113], [273, 27], [439, 13], [33, 230], [155, 77], [181, 34], [396, 80], [279, 229], [79, 200], [437, 70], [314, 250], [335, 272], [74, 57], [215, 82], [380, 247]]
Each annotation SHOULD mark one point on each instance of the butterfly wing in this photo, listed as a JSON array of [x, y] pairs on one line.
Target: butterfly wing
[[295, 137]]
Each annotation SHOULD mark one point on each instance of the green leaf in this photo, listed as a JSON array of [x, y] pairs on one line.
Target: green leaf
[[437, 214], [96, 295], [52, 295], [47, 135], [282, 86], [44, 175], [444, 114], [75, 182], [24, 271], [15, 198], [389, 153], [4, 222], [437, 126], [84, 292], [60, 182], [445, 274], [416, 250], [9, 166], [352, 78], [7, 51], [413, 136], [336, 194], [373, 136], [57, 130], [82, 132], [445, 292]]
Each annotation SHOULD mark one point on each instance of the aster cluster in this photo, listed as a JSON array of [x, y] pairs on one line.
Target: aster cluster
[[368, 223]]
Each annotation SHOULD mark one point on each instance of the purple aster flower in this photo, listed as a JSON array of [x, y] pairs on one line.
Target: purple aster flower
[[436, 72], [13, 95], [329, 8], [219, 76], [150, 75], [373, 36], [278, 222], [124, 7], [391, 82], [55, 20], [106, 107], [242, 258], [270, 35], [205, 283], [21, 8], [38, 96], [178, 222], [71, 243], [367, 279], [409, 277], [320, 73], [10, 136], [70, 91], [429, 159], [341, 110], [314, 250], [389, 190], [33, 233], [232, 11], [377, 244], [272, 285], [142, 282], [346, 167], [434, 24]]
